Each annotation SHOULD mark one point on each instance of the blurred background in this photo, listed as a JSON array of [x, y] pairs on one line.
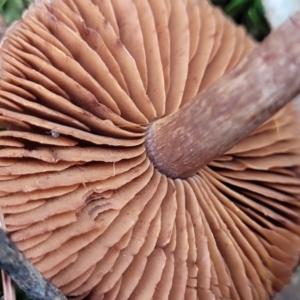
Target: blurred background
[[249, 13]]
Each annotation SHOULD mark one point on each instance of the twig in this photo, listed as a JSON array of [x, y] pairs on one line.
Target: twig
[[8, 286], [23, 273]]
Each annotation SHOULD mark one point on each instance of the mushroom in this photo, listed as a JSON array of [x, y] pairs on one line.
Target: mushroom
[[83, 85]]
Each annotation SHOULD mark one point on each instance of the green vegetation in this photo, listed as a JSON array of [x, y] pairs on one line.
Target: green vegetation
[[246, 12], [12, 9]]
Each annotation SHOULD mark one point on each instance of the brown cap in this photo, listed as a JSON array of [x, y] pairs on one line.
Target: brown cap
[[80, 82]]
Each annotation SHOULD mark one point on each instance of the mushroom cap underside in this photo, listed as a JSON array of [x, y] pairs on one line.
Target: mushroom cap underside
[[80, 83]]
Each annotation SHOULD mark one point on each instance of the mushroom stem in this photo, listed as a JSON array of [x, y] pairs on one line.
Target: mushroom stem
[[31, 281], [179, 145]]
